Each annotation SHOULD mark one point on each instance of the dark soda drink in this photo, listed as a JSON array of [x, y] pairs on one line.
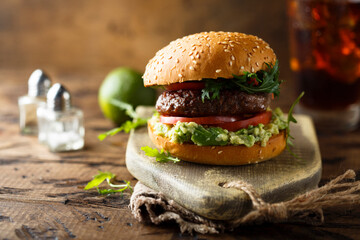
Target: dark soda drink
[[325, 52]]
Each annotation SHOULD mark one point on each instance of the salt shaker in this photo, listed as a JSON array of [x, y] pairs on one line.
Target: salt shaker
[[60, 124], [38, 86]]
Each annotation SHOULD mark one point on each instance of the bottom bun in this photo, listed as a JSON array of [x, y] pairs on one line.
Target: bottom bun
[[221, 155]]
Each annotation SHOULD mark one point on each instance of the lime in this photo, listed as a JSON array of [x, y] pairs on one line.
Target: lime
[[126, 85]]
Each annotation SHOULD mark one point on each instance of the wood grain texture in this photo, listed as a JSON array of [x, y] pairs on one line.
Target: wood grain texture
[[41, 193], [198, 187]]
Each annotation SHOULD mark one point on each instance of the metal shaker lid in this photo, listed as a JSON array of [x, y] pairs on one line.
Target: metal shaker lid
[[58, 98], [38, 84]]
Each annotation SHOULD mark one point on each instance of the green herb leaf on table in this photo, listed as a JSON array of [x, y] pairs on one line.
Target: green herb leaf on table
[[108, 176], [159, 156], [98, 179], [290, 119], [128, 125], [129, 110]]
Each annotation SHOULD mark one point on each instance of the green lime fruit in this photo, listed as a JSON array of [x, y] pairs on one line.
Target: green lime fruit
[[126, 85]]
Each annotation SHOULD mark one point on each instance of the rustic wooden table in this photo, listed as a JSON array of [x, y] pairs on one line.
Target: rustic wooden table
[[42, 196]]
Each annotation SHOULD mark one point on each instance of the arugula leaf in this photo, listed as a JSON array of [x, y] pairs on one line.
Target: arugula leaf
[[160, 156], [129, 110], [263, 81], [290, 119], [268, 80], [101, 177], [211, 87], [128, 125], [98, 179], [209, 136]]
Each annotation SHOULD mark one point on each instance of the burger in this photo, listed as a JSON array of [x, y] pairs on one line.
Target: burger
[[216, 105]]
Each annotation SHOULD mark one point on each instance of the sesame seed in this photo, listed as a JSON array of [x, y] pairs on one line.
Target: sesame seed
[[180, 75], [194, 48], [257, 47], [232, 58], [267, 47], [192, 57], [170, 57], [254, 50], [198, 56], [191, 68], [177, 60], [242, 68], [230, 63], [252, 69], [194, 62], [220, 152], [248, 59], [218, 70], [226, 50], [184, 50], [173, 67]]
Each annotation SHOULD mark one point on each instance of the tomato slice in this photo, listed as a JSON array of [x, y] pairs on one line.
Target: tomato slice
[[185, 85], [263, 118], [199, 120], [232, 123]]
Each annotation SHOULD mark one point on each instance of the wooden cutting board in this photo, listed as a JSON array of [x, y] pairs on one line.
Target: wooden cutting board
[[197, 187]]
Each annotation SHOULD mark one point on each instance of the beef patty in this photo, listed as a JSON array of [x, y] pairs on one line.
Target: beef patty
[[188, 103]]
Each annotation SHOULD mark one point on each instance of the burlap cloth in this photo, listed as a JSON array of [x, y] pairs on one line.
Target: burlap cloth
[[148, 205]]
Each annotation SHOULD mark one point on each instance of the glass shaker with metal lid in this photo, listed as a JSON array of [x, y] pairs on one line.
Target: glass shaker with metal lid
[[38, 86], [60, 124]]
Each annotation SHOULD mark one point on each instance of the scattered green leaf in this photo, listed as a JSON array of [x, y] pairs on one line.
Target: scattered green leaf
[[128, 125], [98, 179], [125, 106], [290, 119], [108, 176], [160, 156]]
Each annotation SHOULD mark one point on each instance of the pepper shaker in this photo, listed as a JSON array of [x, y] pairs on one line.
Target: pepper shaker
[[38, 86], [60, 124]]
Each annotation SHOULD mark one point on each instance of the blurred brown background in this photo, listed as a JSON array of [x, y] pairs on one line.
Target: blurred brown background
[[86, 37]]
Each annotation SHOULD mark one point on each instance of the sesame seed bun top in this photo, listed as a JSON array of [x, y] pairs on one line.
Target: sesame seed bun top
[[208, 55]]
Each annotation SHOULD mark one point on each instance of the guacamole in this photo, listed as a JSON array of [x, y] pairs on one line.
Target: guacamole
[[191, 132]]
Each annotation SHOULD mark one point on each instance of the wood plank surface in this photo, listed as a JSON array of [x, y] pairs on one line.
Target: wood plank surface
[[197, 186], [42, 196]]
